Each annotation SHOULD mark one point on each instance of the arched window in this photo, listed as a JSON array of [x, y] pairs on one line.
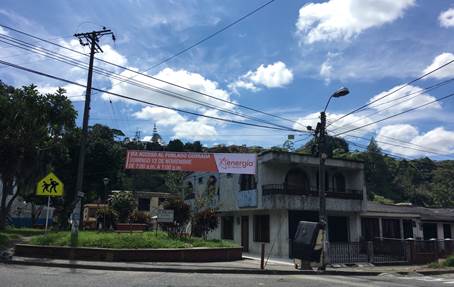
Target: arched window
[[339, 182], [296, 179]]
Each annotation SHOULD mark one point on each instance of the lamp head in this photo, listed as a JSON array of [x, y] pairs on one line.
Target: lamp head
[[341, 92]]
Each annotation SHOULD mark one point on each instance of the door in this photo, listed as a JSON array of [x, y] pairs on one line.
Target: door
[[245, 233]]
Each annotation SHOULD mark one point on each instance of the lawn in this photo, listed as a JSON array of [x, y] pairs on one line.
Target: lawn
[[9, 235], [127, 240]]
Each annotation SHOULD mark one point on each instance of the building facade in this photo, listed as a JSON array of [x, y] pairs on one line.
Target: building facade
[[266, 207]]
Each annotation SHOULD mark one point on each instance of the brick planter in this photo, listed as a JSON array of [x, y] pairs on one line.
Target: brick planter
[[130, 255]]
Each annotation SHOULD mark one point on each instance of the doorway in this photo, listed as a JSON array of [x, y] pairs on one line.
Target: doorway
[[245, 233]]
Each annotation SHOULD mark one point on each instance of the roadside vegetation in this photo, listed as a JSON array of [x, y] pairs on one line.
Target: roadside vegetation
[[449, 262], [127, 240], [11, 235]]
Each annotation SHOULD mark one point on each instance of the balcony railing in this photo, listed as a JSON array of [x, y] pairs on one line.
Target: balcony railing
[[286, 189]]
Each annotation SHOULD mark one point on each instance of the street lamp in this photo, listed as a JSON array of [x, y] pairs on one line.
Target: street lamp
[[320, 132]]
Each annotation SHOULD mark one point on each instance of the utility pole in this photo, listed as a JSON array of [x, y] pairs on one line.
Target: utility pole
[[321, 128], [86, 39], [320, 137]]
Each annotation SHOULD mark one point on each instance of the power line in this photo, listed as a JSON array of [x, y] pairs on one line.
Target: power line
[[404, 98], [395, 115], [75, 62], [152, 77], [398, 145], [142, 101], [394, 91], [211, 35]]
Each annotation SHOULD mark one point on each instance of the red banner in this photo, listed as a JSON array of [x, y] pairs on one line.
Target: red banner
[[241, 163]]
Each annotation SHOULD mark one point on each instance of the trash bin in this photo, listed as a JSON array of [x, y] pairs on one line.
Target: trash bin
[[307, 242]]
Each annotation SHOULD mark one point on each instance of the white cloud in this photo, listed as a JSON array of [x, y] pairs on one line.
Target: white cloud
[[73, 92], [345, 19], [394, 138], [181, 77], [182, 128], [160, 116], [446, 18], [3, 31], [445, 72], [394, 104], [326, 71], [271, 76]]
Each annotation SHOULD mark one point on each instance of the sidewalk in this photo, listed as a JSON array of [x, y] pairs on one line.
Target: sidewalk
[[249, 265]]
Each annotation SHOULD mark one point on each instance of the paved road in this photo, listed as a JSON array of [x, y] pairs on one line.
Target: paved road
[[16, 275]]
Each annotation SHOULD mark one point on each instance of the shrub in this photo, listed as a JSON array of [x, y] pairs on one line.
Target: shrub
[[181, 217], [110, 215], [449, 262], [205, 221], [139, 217], [123, 203]]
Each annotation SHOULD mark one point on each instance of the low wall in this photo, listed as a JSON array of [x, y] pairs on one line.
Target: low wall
[[123, 255]]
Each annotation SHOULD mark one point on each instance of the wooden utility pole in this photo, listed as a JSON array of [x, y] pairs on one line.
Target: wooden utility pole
[[86, 39]]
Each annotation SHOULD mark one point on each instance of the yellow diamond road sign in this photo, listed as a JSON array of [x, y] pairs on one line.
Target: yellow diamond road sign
[[50, 186]]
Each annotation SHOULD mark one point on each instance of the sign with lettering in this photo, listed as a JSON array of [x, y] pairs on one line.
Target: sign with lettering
[[165, 215], [238, 163]]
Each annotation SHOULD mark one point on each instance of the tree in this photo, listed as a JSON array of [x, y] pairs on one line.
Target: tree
[[181, 215], [443, 185], [205, 221], [175, 145], [334, 146], [124, 203], [32, 126], [378, 178]]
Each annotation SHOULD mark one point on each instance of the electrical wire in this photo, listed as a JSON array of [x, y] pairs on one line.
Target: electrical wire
[[398, 145], [151, 77], [141, 101], [395, 115], [62, 58], [403, 98], [394, 91]]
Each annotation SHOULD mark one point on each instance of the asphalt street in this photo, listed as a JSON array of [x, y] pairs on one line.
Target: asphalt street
[[17, 275]]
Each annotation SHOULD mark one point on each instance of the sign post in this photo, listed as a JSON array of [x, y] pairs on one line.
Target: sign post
[[50, 186]]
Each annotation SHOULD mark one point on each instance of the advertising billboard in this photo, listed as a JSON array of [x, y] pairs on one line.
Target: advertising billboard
[[238, 163]]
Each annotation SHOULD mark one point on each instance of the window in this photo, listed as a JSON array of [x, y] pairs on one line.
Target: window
[[144, 204], [391, 228], [339, 182], [370, 228], [447, 231], [296, 179], [429, 230], [200, 180], [261, 228], [408, 229], [247, 182], [227, 227]]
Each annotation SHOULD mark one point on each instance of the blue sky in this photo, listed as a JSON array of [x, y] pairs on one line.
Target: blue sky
[[285, 60]]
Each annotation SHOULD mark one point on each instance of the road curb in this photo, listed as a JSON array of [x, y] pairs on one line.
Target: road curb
[[216, 270]]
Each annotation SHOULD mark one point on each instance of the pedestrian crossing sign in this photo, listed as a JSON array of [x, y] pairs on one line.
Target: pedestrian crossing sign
[[50, 185]]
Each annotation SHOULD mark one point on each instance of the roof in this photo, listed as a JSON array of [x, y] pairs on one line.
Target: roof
[[425, 214], [305, 155]]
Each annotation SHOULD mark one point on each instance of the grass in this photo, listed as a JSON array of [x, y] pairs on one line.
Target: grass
[[23, 231], [6, 239], [448, 262], [127, 240]]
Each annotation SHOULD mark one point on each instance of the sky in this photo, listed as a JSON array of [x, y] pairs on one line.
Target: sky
[[285, 60]]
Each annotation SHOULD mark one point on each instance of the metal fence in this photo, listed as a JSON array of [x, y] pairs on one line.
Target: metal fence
[[379, 251]]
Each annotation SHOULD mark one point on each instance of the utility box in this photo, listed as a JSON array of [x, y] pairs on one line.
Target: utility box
[[308, 241]]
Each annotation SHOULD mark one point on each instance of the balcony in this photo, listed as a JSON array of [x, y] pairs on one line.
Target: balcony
[[285, 189]]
